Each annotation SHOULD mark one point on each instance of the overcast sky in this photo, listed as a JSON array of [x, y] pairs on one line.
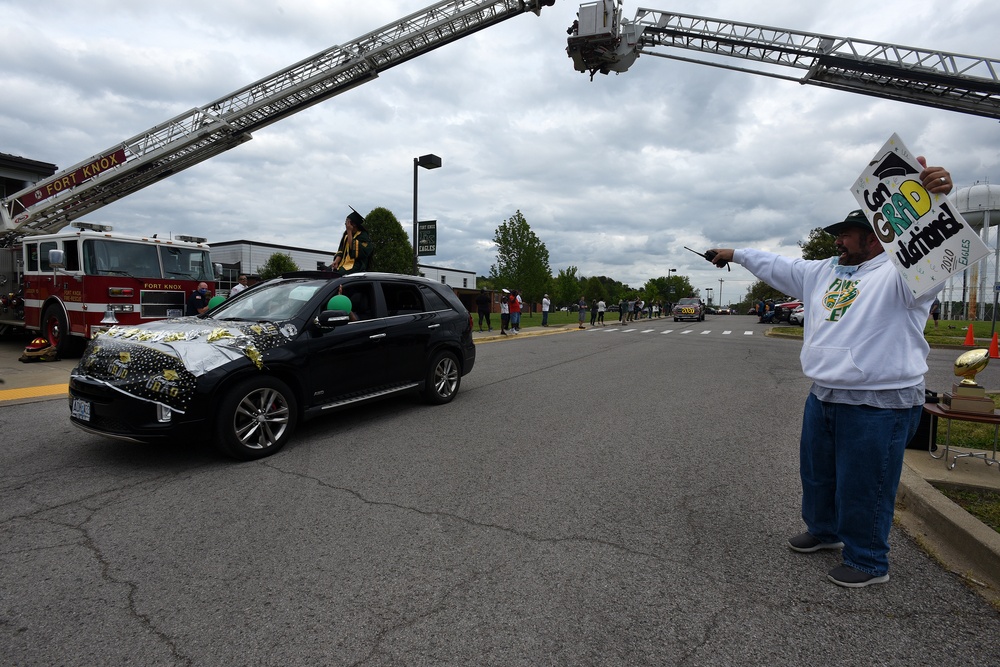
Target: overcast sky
[[614, 175]]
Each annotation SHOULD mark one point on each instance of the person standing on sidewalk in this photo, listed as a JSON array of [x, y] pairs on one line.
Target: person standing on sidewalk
[[504, 311], [582, 307], [601, 307], [515, 312], [868, 387], [484, 304], [546, 304]]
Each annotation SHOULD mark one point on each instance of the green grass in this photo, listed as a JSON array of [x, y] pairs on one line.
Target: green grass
[[980, 503], [560, 318]]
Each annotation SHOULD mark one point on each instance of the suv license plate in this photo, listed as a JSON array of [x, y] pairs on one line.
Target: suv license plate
[[81, 409]]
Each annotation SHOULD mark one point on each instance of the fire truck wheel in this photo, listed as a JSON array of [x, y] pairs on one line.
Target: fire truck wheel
[[256, 418], [56, 330]]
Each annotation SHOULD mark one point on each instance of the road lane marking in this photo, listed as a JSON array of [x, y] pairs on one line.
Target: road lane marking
[[34, 392]]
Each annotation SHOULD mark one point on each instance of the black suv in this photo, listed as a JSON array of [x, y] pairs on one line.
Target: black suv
[[244, 373]]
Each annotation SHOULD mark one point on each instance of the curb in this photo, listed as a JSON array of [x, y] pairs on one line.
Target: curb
[[957, 540]]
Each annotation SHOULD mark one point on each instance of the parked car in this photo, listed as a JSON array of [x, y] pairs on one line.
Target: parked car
[[783, 311], [689, 308], [797, 317], [247, 371]]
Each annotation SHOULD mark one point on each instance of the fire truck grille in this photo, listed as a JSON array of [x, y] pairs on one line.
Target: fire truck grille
[[158, 304]]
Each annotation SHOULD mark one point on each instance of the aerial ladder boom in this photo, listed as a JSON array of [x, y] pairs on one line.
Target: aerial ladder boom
[[602, 41], [202, 133]]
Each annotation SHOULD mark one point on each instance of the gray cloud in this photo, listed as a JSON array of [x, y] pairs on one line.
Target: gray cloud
[[614, 175]]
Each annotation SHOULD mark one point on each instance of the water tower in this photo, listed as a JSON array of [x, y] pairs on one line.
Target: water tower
[[979, 204]]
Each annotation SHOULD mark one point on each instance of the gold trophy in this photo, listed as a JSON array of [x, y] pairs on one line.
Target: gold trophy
[[967, 395]]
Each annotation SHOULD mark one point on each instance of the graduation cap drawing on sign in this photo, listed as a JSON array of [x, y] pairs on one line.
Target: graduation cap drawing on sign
[[893, 165]]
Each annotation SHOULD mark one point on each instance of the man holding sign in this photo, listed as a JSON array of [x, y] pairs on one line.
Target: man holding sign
[[864, 349]]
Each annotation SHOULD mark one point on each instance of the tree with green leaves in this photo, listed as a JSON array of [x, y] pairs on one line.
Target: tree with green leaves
[[595, 289], [393, 251], [762, 291], [668, 288], [819, 245], [277, 264], [566, 287], [522, 260]]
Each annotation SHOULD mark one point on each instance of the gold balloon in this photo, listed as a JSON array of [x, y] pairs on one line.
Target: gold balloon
[[970, 363]]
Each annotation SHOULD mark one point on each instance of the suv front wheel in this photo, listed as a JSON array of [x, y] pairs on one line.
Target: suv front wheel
[[256, 418]]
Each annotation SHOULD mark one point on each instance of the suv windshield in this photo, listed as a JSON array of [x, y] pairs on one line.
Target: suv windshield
[[272, 302], [688, 300]]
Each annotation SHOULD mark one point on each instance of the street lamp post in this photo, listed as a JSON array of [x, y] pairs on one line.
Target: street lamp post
[[429, 161], [721, 302]]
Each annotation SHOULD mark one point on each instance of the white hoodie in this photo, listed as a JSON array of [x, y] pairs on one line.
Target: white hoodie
[[864, 330]]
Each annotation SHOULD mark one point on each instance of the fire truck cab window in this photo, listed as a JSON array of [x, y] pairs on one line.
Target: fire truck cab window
[[187, 263], [43, 250], [31, 256], [72, 251], [102, 257]]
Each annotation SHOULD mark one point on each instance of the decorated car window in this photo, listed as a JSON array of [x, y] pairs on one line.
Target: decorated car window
[[280, 301]]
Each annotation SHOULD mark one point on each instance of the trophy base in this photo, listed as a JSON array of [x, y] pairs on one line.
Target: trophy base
[[980, 406], [972, 390]]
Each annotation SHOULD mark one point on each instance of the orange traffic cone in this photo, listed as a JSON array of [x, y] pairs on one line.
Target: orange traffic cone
[[994, 352], [970, 340]]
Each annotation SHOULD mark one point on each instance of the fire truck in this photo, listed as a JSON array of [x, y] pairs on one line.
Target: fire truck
[[72, 284], [67, 294]]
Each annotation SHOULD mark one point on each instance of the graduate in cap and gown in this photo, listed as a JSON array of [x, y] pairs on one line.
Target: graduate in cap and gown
[[355, 249]]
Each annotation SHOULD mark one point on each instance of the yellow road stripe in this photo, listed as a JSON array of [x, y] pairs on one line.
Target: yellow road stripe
[[34, 392]]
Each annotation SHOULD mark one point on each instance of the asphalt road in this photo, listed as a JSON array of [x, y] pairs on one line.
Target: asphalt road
[[601, 497]]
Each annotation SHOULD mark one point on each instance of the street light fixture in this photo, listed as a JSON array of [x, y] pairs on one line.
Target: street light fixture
[[429, 161]]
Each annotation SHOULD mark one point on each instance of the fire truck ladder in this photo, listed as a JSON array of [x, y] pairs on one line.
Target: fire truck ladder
[[202, 133], [950, 81]]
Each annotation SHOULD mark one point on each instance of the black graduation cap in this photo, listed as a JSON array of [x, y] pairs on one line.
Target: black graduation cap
[[356, 218]]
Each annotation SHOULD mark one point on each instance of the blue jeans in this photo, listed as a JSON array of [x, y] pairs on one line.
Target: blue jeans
[[850, 460], [545, 318]]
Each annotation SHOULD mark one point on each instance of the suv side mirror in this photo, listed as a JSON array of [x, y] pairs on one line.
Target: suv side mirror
[[328, 319]]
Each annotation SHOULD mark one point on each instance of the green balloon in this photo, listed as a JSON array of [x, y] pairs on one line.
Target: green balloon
[[215, 301], [339, 302]]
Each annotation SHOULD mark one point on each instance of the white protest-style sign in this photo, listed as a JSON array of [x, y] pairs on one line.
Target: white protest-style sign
[[924, 235]]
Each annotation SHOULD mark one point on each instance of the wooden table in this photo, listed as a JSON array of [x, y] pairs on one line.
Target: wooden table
[[935, 410]]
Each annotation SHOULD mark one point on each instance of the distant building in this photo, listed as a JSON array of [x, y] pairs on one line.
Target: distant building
[[455, 278], [18, 173], [246, 257]]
